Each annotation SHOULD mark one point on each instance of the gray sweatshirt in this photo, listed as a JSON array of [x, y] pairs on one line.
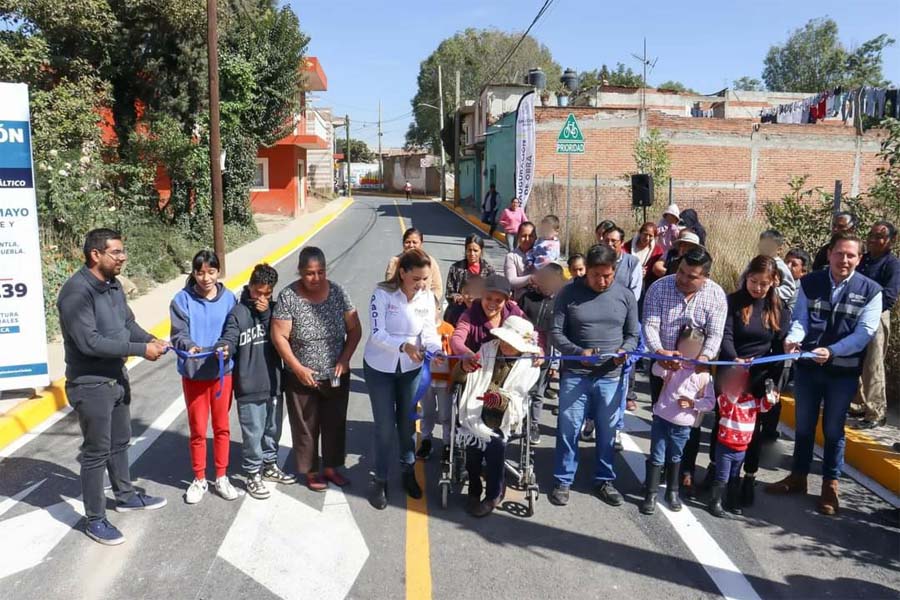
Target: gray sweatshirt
[[98, 328], [584, 319]]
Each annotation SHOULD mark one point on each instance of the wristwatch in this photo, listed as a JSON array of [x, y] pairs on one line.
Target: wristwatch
[[401, 347]]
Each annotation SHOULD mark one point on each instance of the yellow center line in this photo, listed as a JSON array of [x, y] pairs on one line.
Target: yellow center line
[[418, 553]]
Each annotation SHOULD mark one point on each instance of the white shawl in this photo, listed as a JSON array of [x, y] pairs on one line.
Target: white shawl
[[518, 384]]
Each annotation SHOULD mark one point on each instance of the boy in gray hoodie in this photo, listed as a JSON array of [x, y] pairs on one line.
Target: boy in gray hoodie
[[257, 380]]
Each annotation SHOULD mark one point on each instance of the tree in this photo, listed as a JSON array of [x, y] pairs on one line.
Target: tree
[[623, 76], [747, 84], [675, 86], [477, 54], [814, 59], [359, 151]]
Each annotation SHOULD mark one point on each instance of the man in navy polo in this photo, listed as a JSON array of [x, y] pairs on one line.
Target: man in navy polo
[[837, 313]]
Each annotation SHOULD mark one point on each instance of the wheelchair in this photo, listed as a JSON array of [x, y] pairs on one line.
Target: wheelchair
[[519, 472]]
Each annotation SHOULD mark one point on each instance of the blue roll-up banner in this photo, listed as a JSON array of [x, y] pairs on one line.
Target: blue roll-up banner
[[23, 329]]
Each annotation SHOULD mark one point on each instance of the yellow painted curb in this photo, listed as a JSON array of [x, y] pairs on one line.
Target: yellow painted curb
[[870, 457], [29, 413]]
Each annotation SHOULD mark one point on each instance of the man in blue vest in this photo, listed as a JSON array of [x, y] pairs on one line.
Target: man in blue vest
[[836, 314]]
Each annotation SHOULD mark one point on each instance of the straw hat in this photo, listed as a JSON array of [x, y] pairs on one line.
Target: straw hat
[[518, 333], [689, 237]]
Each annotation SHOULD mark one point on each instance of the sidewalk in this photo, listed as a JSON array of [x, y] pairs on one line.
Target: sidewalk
[[20, 412], [870, 452]]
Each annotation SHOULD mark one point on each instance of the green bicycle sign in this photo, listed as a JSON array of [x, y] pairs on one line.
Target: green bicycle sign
[[570, 139]]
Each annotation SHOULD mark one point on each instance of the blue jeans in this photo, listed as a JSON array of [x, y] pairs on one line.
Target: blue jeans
[[260, 431], [391, 395], [667, 439], [728, 463], [814, 387], [600, 398]]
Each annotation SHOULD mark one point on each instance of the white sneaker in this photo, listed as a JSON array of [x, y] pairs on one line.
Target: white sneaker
[[225, 489], [195, 491]]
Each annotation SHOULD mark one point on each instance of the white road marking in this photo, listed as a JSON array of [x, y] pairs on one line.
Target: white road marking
[[151, 434], [34, 433], [8, 503], [311, 554], [724, 573], [28, 538]]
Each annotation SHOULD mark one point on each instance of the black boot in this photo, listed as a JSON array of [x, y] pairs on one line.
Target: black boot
[[651, 488], [747, 489], [733, 501], [411, 485], [378, 494], [715, 499], [672, 477]]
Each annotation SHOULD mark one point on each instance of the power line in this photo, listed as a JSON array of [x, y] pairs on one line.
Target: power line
[[509, 54]]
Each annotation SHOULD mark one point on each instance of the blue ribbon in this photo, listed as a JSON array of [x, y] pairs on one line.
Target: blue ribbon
[[221, 356], [425, 373]]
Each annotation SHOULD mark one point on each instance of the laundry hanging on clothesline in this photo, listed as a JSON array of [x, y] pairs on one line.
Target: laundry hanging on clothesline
[[846, 104]]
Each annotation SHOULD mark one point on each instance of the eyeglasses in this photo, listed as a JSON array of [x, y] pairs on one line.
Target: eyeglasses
[[117, 254]]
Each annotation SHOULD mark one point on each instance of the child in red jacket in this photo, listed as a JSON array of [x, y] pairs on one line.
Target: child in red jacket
[[738, 410]]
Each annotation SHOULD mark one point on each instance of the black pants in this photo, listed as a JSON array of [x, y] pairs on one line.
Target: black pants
[[764, 423], [538, 391], [105, 420], [656, 385], [408, 195], [494, 469]]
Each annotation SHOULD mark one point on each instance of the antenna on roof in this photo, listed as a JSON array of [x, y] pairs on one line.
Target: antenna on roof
[[645, 62]]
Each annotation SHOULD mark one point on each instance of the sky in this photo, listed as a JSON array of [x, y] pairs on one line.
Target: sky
[[371, 51]]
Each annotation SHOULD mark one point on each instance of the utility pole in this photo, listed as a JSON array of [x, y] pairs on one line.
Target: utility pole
[[347, 158], [441, 137], [215, 141], [456, 144], [380, 157]]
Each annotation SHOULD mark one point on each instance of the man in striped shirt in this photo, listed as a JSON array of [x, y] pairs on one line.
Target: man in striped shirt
[[688, 297]]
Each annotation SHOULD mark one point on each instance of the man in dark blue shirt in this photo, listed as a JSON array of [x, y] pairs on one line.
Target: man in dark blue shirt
[[99, 333], [883, 267], [594, 315]]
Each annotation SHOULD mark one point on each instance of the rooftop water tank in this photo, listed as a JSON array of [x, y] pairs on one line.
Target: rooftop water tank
[[537, 78], [569, 79]]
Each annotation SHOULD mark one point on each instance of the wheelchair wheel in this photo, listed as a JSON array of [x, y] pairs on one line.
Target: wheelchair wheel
[[531, 497], [445, 493]]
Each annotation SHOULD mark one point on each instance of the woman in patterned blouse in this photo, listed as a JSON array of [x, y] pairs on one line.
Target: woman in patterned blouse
[[316, 329]]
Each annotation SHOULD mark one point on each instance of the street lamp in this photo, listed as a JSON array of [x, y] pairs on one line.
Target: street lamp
[[440, 141]]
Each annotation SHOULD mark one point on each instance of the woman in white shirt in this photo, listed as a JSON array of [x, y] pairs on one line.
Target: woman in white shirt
[[403, 328]]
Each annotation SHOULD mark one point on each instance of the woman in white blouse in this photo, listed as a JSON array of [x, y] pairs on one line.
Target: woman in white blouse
[[402, 315]]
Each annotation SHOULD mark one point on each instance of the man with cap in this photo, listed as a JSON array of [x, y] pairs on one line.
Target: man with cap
[[668, 227], [668, 263], [486, 313], [593, 316], [836, 314]]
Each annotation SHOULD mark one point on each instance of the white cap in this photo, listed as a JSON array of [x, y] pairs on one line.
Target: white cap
[[672, 209], [688, 236]]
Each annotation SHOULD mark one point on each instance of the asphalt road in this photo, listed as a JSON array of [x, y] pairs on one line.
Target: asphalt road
[[300, 544]]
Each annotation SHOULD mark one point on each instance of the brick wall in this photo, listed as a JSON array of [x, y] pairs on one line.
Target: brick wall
[[720, 167]]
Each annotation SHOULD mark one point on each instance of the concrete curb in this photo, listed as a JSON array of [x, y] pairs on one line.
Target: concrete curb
[[30, 413], [474, 220], [868, 456]]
